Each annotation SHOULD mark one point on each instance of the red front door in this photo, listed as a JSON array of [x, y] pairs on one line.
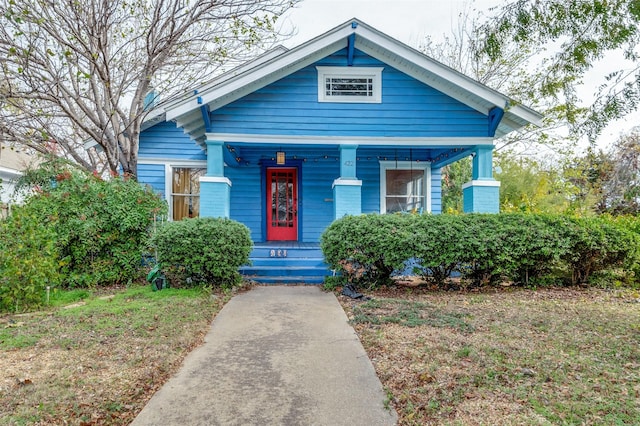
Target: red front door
[[282, 204]]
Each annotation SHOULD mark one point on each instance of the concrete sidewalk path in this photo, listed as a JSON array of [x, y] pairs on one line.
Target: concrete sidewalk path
[[277, 355]]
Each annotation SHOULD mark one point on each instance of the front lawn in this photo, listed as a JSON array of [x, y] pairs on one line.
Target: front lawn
[[565, 356], [553, 356], [99, 360]]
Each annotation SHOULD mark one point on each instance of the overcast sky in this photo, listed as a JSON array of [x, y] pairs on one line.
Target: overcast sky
[[410, 21]]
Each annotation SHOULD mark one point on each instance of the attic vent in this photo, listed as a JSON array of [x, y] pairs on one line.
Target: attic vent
[[350, 84]]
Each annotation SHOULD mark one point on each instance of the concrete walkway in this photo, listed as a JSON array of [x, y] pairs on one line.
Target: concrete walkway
[[277, 355]]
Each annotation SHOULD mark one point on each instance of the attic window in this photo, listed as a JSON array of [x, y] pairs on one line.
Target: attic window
[[350, 84]]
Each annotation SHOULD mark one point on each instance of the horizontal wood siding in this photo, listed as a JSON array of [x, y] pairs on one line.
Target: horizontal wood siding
[[317, 194], [368, 170], [246, 200], [153, 175], [409, 108], [165, 140]]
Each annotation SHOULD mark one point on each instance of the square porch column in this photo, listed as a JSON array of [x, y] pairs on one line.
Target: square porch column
[[482, 193], [347, 189], [215, 188]]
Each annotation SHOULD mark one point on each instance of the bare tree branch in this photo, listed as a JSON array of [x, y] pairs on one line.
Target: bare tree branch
[[77, 71]]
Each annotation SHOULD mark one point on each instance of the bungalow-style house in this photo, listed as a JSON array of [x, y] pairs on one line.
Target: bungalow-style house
[[349, 122]]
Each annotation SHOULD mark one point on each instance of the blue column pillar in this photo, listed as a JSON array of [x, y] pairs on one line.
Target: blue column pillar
[[482, 193], [347, 189], [215, 188], [215, 158], [348, 161], [483, 162]]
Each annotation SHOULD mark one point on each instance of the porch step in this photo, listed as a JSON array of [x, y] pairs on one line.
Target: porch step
[[272, 252], [289, 280], [273, 264]]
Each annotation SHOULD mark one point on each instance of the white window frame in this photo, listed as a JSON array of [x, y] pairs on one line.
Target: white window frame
[[375, 73], [422, 166], [168, 178]]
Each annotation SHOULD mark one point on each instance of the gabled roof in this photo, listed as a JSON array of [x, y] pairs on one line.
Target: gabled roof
[[279, 63]]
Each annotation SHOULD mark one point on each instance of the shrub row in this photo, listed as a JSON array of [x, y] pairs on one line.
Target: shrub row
[[480, 248], [203, 250]]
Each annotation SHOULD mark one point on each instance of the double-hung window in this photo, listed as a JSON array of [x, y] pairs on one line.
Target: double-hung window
[[405, 187], [185, 192]]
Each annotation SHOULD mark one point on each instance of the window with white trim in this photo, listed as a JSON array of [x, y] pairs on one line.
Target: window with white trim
[[405, 187], [185, 192], [350, 84]]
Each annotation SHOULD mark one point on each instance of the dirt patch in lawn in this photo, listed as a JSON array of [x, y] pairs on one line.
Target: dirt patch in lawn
[[553, 356]]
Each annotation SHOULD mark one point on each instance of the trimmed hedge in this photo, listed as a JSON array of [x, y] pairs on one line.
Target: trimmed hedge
[[481, 248], [203, 250]]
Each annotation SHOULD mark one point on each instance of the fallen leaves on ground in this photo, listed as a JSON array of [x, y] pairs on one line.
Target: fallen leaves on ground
[[551, 356]]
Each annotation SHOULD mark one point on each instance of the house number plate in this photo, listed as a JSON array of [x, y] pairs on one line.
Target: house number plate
[[278, 253]]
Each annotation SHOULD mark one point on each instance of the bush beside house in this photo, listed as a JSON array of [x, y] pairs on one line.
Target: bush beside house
[[203, 250], [29, 261], [74, 230], [524, 249]]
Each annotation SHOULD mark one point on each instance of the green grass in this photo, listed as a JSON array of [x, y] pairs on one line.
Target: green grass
[[409, 314], [15, 338], [60, 297], [109, 353]]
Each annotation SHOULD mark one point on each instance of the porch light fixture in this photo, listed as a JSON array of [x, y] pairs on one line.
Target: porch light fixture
[[280, 158]]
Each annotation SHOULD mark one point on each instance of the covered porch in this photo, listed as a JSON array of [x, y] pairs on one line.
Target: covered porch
[[360, 175]]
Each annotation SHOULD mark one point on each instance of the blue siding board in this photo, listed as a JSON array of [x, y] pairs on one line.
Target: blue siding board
[[408, 108], [248, 203], [152, 175], [317, 196], [368, 171], [165, 140], [246, 198]]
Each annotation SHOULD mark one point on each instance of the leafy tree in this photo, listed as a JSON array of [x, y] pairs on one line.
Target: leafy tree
[[454, 176], [608, 181], [527, 185], [586, 175], [621, 189], [512, 70], [80, 71], [579, 33]]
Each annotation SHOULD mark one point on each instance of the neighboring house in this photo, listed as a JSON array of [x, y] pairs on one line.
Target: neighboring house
[[12, 162], [350, 122]]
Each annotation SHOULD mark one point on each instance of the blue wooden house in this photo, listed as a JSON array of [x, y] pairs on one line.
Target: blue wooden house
[[350, 122]]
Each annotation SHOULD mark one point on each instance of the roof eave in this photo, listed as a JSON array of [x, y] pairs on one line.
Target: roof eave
[[266, 72], [244, 80]]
